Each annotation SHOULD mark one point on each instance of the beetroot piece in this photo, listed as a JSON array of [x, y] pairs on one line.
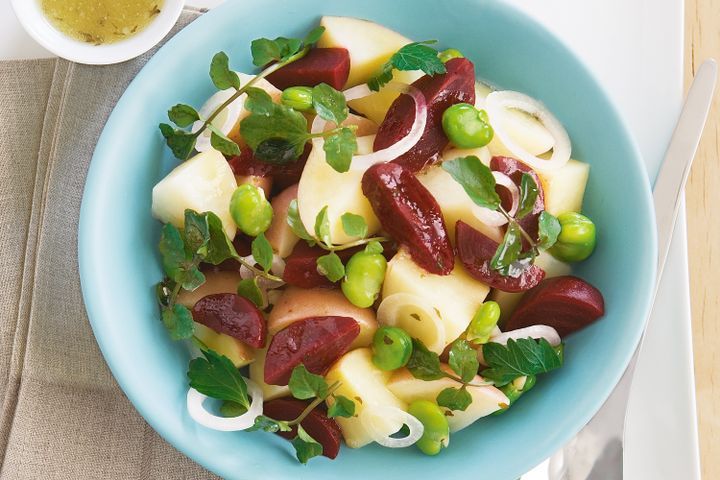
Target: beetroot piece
[[440, 91], [315, 342], [411, 215], [320, 65], [323, 429], [566, 303], [283, 175], [301, 266], [515, 169], [232, 315], [476, 250]]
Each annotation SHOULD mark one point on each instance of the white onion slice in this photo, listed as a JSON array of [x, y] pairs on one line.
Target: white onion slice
[[402, 146], [496, 105], [534, 331], [493, 218], [198, 413], [391, 413], [224, 122]]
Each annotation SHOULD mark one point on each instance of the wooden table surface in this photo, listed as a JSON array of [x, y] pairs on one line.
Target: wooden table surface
[[702, 32]]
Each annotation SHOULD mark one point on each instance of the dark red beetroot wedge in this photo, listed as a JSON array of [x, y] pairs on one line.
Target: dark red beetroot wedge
[[323, 429], [566, 303], [316, 342], [476, 250], [440, 91], [232, 315], [320, 65], [515, 169], [283, 175], [411, 215], [301, 266]]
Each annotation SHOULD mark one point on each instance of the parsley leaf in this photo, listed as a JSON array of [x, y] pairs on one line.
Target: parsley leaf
[[549, 229], [322, 226], [331, 266], [476, 179], [508, 252], [413, 56], [528, 195], [181, 143], [268, 424], [341, 407], [249, 289], [423, 363], [179, 322], [221, 142], [220, 73], [329, 104], [304, 385], [296, 224], [339, 149], [454, 398], [354, 225], [216, 376], [262, 251], [183, 115], [305, 446], [518, 358], [463, 360]]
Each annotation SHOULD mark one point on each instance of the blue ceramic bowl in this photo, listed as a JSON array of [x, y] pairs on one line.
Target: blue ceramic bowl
[[119, 263]]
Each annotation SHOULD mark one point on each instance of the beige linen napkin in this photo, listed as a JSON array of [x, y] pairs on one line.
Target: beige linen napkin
[[62, 415]]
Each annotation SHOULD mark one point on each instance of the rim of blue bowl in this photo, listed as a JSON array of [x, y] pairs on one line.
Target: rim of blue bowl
[[86, 247]]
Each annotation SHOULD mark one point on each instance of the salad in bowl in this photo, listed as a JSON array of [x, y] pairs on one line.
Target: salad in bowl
[[363, 242]]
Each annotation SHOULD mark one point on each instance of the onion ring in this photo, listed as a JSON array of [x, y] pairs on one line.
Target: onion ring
[[231, 112], [198, 412], [496, 105], [534, 331], [368, 417]]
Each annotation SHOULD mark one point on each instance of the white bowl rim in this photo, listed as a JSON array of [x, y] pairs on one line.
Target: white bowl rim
[[36, 24]]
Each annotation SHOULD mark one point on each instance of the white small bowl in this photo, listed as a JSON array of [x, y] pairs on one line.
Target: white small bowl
[[33, 20]]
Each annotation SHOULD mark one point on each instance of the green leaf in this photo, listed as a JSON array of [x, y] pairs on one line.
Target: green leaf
[[508, 252], [339, 149], [178, 320], [354, 225], [259, 101], [454, 398], [413, 56], [518, 358], [322, 226], [476, 179], [216, 376], [423, 363], [232, 409], [313, 36], [463, 360], [249, 289], [282, 123], [264, 50], [268, 424], [183, 115], [341, 407], [220, 248], [331, 266], [374, 247], [277, 151], [296, 224], [305, 446], [304, 385], [548, 231], [220, 73], [222, 143], [528, 195], [163, 292], [181, 143], [262, 252], [197, 233], [330, 104], [177, 263]]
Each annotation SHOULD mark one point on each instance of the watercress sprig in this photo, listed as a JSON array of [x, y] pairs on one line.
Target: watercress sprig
[[478, 182], [413, 56], [521, 357], [282, 51]]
